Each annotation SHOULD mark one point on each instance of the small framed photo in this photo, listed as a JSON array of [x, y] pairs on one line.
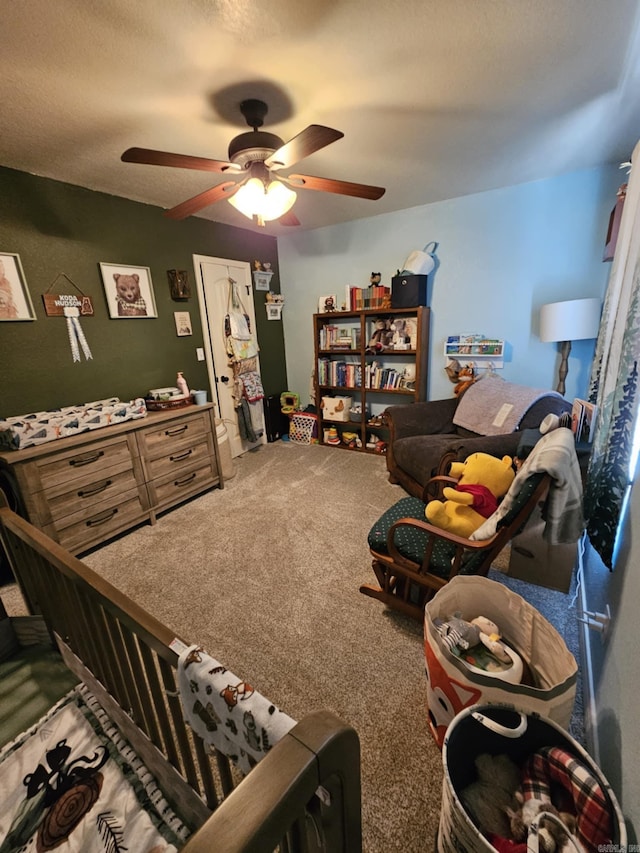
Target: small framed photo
[[327, 303], [128, 290], [262, 279], [274, 310], [183, 323], [15, 301]]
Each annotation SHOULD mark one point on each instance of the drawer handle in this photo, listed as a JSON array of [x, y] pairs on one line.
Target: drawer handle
[[176, 430], [87, 459], [185, 480], [95, 490], [180, 456], [107, 515]]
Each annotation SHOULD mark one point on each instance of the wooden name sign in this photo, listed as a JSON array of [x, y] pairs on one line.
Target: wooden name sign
[[55, 303]]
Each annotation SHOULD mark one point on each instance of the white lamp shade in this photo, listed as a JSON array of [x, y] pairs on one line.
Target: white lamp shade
[[574, 320], [253, 199]]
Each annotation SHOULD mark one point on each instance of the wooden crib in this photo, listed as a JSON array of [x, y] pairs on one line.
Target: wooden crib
[[303, 796]]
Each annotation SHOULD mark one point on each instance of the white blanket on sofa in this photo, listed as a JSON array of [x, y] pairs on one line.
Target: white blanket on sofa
[[493, 406]]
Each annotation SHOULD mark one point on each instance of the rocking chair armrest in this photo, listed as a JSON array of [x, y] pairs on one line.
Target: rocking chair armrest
[[435, 486], [438, 533]]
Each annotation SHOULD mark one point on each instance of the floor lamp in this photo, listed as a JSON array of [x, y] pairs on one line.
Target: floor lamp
[[564, 322]]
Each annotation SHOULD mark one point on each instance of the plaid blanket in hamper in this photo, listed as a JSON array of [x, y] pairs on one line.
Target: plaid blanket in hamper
[[551, 768]]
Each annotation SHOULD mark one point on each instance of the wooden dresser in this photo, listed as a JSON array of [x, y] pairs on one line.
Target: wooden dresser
[[86, 488]]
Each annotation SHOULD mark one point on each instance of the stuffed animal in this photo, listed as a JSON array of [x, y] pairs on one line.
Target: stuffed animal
[[492, 796], [382, 337], [466, 377], [459, 635], [482, 480]]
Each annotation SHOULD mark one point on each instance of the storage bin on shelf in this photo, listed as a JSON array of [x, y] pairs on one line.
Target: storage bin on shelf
[[336, 409]]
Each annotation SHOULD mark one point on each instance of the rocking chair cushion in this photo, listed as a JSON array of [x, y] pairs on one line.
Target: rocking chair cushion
[[410, 541]]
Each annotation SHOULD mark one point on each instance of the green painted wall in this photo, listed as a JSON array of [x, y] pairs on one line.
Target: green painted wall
[[58, 228]]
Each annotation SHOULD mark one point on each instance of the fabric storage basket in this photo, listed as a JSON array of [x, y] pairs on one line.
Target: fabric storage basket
[[409, 291], [501, 730], [452, 686], [336, 409]]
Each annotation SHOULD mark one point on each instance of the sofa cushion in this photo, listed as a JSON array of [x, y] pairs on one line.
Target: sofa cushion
[[420, 455]]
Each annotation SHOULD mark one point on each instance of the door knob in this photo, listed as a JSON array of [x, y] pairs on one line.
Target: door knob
[[224, 379]]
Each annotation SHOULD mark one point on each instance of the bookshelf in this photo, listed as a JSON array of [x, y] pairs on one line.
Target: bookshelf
[[372, 358]]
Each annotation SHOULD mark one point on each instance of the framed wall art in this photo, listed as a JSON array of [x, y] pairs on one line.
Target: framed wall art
[[15, 301], [326, 304], [183, 323], [129, 291]]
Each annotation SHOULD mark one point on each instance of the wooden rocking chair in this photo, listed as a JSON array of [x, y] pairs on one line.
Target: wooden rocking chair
[[412, 559]]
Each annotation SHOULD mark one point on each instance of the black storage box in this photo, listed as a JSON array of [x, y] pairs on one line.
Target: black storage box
[[409, 291]]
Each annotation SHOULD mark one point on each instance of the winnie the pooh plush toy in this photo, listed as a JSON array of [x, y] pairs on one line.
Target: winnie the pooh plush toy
[[482, 481]]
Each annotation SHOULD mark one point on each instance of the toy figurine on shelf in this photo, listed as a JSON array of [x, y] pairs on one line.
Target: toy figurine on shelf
[[466, 377]]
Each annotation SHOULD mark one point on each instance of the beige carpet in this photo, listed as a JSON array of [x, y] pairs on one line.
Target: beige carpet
[[265, 575]]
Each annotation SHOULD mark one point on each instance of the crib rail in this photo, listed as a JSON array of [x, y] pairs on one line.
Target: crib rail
[[303, 796]]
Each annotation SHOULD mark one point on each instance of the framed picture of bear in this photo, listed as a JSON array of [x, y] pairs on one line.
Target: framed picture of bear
[[15, 302], [129, 291]]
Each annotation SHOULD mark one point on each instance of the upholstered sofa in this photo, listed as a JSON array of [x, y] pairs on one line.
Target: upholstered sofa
[[425, 437]]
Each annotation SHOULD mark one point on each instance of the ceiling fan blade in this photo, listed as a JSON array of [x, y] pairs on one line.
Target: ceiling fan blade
[[289, 218], [180, 161], [307, 142], [208, 197], [329, 185]]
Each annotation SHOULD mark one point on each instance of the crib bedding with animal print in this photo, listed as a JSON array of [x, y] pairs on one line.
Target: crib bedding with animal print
[[73, 783], [227, 712], [17, 433]]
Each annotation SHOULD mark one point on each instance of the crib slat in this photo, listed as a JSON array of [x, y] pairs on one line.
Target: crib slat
[[138, 686], [117, 653], [157, 698], [181, 735]]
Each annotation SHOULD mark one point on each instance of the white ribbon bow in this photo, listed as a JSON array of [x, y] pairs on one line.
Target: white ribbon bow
[[76, 335]]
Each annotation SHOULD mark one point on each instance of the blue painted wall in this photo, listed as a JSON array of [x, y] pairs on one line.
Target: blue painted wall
[[502, 253]]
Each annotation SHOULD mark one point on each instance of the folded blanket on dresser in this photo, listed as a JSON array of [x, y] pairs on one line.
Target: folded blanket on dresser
[[22, 431], [493, 406], [226, 712]]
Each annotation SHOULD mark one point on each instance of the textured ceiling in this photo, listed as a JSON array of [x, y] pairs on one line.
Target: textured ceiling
[[436, 99]]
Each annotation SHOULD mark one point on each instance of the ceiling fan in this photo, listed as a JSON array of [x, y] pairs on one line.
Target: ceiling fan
[[256, 158]]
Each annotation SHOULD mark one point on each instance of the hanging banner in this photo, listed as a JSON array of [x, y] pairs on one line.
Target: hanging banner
[[55, 303]]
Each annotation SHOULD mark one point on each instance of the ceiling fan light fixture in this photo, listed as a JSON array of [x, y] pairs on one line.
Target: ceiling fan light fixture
[[254, 199]]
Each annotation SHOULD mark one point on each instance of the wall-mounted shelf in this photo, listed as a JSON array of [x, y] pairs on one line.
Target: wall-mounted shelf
[[476, 350]]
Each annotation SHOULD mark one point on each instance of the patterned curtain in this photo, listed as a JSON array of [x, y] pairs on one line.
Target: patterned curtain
[[614, 380]]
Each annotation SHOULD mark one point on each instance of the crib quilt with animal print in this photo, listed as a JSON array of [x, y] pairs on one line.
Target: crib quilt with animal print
[[17, 433]]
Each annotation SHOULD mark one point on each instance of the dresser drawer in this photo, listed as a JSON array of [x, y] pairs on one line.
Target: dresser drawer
[[79, 531], [59, 469], [90, 490], [176, 487], [192, 455], [162, 440]]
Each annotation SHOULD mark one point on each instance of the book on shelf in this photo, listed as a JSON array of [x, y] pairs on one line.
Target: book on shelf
[[583, 419], [362, 298]]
